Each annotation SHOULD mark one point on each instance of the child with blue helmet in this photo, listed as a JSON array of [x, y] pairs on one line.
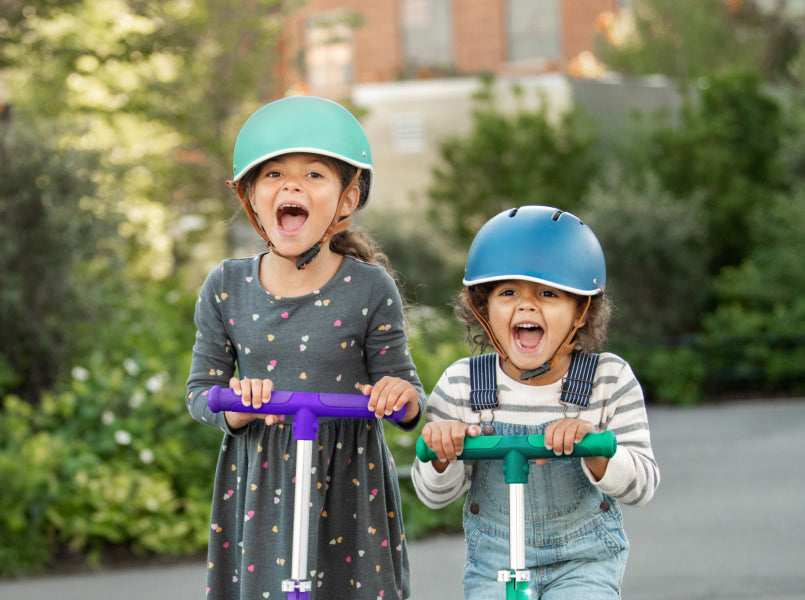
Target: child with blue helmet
[[535, 279]]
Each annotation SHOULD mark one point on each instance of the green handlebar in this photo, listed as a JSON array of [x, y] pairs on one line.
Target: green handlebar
[[529, 446], [516, 450]]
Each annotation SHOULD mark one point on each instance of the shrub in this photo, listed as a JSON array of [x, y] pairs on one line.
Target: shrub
[[111, 456]]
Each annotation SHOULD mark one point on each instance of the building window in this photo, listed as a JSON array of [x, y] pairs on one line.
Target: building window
[[426, 33], [408, 133], [533, 27], [329, 54]]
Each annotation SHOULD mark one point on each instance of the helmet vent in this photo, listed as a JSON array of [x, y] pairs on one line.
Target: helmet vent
[[555, 216], [513, 212]]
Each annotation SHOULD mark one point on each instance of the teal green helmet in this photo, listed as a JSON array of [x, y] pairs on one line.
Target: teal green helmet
[[302, 124]]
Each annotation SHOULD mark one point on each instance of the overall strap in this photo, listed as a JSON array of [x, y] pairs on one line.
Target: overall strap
[[578, 385], [484, 382]]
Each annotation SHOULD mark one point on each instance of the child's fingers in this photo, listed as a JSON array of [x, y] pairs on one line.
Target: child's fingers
[[563, 435], [441, 440], [569, 439], [261, 391], [453, 441], [253, 392], [388, 395], [474, 430]]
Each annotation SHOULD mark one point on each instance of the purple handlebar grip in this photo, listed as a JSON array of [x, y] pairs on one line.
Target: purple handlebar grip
[[305, 407]]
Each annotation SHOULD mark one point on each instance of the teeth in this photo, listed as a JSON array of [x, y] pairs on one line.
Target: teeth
[[528, 326]]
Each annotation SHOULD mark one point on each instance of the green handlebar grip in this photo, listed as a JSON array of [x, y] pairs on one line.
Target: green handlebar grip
[[529, 446]]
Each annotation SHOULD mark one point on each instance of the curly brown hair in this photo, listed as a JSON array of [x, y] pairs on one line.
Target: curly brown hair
[[589, 337]]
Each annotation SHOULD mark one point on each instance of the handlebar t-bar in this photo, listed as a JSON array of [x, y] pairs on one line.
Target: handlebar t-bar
[[305, 407], [529, 446]]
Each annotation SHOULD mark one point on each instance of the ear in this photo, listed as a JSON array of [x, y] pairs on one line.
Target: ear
[[582, 312], [351, 199]]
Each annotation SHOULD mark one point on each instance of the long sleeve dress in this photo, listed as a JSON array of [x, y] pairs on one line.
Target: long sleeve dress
[[347, 334]]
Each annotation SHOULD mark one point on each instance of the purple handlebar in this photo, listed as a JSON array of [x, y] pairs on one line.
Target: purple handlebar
[[305, 407]]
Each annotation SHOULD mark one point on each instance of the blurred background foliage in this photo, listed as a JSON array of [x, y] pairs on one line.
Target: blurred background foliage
[[114, 142]]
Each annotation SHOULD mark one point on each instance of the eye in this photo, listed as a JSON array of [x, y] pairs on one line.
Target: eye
[[270, 171]]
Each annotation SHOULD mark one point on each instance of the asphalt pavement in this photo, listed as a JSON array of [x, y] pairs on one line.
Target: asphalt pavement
[[727, 521]]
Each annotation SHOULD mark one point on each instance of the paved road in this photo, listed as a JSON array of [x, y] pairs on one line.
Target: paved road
[[728, 521]]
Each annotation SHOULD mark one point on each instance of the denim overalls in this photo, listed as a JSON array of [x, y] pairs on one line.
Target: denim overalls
[[576, 548]]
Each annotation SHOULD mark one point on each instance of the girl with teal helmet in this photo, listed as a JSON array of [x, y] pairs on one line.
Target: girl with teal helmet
[[315, 312], [535, 278], [309, 125]]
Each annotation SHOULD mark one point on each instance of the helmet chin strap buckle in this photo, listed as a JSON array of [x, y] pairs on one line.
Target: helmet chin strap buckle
[[307, 257], [534, 373]]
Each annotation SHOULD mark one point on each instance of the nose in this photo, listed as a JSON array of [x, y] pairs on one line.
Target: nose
[[291, 185], [527, 303]]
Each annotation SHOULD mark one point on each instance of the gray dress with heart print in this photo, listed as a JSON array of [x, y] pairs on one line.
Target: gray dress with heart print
[[347, 334]]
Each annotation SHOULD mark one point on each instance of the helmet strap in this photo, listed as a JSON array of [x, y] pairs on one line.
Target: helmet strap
[[301, 261], [485, 324], [240, 190], [565, 348]]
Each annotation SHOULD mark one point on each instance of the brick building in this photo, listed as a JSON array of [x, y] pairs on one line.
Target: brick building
[[331, 45]]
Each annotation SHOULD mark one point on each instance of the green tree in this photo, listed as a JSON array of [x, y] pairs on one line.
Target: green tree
[[51, 248], [510, 160], [157, 89], [687, 39], [657, 256], [755, 335], [128, 109], [725, 152]]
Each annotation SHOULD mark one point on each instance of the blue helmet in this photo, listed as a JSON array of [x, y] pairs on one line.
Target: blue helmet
[[541, 244]]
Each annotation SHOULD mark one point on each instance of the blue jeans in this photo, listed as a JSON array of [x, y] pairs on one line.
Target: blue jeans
[[576, 548]]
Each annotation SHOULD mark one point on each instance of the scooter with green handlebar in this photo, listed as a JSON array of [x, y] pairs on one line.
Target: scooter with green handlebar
[[515, 451]]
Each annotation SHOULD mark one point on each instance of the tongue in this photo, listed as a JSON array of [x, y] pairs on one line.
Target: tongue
[[292, 221], [529, 339]]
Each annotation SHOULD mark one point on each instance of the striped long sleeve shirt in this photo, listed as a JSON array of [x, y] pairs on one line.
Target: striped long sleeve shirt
[[616, 405]]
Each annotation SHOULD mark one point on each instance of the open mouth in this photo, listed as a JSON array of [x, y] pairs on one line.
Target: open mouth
[[527, 336], [291, 218]]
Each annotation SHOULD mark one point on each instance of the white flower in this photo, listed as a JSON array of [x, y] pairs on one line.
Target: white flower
[[136, 399], [131, 366], [122, 437], [108, 417], [80, 373], [154, 383], [146, 456]]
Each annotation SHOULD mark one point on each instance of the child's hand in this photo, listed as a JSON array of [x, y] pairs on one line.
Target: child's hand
[[446, 439], [561, 435], [391, 394], [253, 392]]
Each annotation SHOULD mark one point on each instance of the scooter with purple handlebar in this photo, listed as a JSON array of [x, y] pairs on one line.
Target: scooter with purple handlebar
[[306, 408]]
